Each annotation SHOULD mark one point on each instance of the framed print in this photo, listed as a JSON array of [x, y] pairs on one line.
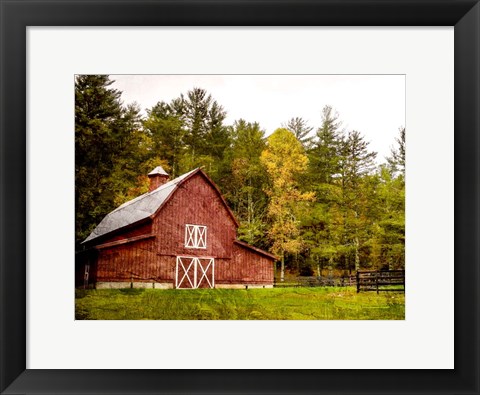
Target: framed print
[[40, 354]]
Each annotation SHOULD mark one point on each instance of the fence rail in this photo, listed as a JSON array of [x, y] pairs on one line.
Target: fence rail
[[381, 281], [310, 281], [374, 280]]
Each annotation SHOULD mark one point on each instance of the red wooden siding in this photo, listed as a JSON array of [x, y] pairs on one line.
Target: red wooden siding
[[137, 259], [246, 267], [132, 231], [195, 202]]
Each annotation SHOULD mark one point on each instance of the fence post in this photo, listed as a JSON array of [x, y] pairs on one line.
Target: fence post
[[358, 282]]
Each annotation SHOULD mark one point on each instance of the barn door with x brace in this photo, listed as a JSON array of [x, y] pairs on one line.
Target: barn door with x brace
[[193, 272]]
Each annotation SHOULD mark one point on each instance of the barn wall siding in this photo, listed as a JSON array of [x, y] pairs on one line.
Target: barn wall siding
[[245, 267], [138, 261], [142, 264], [142, 229], [195, 203]]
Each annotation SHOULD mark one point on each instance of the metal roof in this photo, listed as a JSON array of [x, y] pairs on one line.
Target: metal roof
[[137, 209], [158, 170]]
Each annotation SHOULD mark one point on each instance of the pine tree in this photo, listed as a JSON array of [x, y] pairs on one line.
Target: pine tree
[[396, 160], [203, 118], [166, 129], [247, 179], [97, 111], [321, 229], [355, 163], [391, 224], [108, 150], [189, 132], [298, 126], [325, 149]]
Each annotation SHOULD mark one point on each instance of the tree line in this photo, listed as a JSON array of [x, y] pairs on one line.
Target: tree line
[[315, 197]]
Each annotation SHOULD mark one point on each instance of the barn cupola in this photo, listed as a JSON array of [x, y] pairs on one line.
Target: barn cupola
[[157, 177]]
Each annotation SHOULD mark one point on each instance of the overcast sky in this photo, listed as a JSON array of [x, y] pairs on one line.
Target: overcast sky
[[371, 104]]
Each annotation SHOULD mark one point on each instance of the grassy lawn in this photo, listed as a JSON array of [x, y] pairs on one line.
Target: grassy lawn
[[230, 304]]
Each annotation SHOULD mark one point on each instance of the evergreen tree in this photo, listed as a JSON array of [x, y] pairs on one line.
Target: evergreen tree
[[108, 142], [355, 163], [396, 160], [195, 106], [390, 235], [203, 118], [355, 160], [298, 126], [166, 129], [390, 230], [322, 229], [324, 154], [97, 110], [247, 181], [189, 132]]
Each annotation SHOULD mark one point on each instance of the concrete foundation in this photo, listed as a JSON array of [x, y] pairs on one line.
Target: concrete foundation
[[119, 285], [125, 284], [243, 286]]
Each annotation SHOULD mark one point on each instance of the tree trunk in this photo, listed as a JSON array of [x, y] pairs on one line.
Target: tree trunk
[[357, 257], [250, 213], [282, 270]]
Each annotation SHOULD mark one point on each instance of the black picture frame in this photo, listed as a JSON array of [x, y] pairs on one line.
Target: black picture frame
[[17, 15]]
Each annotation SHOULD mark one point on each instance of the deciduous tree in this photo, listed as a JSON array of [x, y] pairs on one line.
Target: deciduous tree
[[284, 159]]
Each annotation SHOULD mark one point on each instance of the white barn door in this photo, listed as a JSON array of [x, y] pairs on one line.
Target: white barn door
[[193, 272]]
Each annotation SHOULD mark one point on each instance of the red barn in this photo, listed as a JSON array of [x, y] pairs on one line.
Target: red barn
[[180, 234]]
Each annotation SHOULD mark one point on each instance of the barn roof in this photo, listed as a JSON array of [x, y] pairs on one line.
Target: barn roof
[[137, 209], [145, 206]]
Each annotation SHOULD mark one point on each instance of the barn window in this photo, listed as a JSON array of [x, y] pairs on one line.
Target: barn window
[[195, 236]]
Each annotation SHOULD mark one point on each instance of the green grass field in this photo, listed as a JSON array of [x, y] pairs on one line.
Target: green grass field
[[230, 304]]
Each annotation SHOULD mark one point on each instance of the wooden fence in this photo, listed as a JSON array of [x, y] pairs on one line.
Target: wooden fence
[[311, 281], [374, 280], [378, 280]]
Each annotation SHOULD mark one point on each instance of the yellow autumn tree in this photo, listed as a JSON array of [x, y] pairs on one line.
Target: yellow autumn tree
[[284, 159]]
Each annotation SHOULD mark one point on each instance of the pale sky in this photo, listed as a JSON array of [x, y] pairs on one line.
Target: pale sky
[[374, 105]]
